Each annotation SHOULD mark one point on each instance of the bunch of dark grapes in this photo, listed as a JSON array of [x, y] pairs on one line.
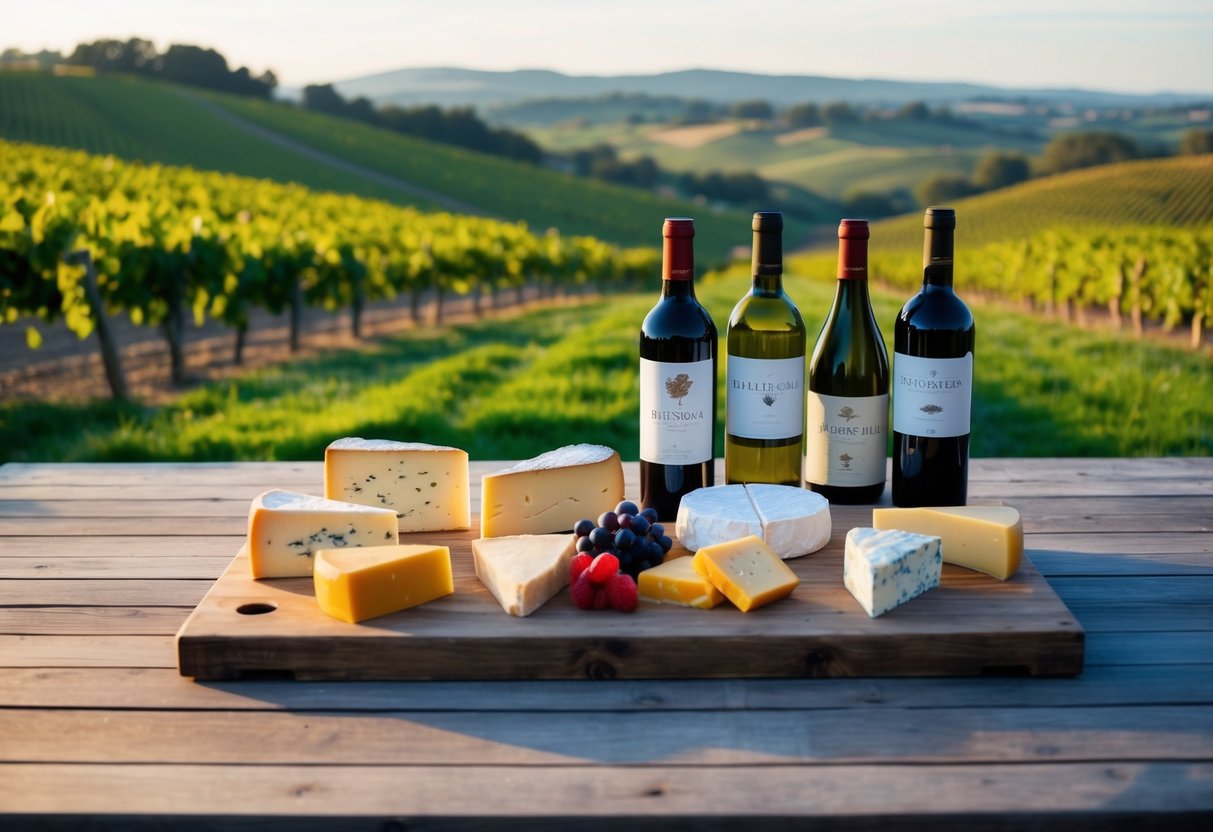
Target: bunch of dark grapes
[[632, 535]]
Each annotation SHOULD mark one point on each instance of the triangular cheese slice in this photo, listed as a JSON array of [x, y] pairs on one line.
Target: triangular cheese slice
[[985, 538], [523, 571]]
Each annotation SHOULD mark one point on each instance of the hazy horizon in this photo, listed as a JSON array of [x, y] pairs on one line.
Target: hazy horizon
[[1110, 46]]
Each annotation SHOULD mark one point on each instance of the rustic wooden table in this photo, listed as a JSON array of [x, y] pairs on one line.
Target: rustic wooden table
[[101, 564]]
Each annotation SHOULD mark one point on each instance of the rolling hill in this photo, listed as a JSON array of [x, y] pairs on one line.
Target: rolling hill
[[156, 122]]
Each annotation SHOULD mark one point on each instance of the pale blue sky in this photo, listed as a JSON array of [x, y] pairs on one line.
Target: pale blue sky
[[1165, 45]]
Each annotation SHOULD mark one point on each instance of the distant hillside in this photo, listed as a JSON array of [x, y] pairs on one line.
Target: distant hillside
[[1176, 191], [157, 122], [480, 88]]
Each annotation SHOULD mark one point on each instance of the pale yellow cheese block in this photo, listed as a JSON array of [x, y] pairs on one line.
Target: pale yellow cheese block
[[985, 538], [286, 528], [524, 571], [677, 582], [747, 571], [551, 492], [356, 584], [426, 485]]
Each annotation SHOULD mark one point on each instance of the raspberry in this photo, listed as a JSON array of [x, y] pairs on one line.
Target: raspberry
[[579, 564], [583, 592], [604, 567], [621, 593], [601, 602]]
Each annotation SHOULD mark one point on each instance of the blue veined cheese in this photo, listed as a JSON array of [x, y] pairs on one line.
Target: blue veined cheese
[[285, 528], [884, 568]]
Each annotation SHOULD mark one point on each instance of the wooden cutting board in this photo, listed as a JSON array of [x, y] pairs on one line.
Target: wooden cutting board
[[970, 625]]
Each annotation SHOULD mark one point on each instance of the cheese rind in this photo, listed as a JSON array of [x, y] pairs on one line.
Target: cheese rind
[[746, 571], [285, 529], [884, 568], [551, 492], [792, 521], [426, 485], [795, 521], [523, 572], [356, 584], [985, 538], [678, 582]]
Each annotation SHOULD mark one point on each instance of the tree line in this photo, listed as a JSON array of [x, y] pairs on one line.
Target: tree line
[[181, 63]]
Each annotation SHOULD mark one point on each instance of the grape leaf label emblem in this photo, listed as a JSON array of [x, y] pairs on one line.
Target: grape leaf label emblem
[[846, 460], [679, 387], [768, 400], [848, 413], [931, 409]]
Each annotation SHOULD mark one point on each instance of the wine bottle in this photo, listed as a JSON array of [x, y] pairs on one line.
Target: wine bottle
[[848, 398], [764, 370], [678, 360], [933, 343]]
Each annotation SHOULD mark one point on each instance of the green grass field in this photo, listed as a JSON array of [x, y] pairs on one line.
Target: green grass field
[[516, 386]]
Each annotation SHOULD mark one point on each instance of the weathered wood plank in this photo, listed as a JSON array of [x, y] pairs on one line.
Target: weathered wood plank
[[1004, 797], [123, 546], [107, 621], [155, 566], [87, 651], [91, 527], [101, 592], [1139, 604]]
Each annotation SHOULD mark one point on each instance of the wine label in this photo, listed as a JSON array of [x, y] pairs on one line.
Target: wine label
[[676, 419], [847, 439], [932, 396], [763, 397]]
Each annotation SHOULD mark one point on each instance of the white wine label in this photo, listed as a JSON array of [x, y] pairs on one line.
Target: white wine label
[[763, 397], [676, 416], [932, 396], [847, 439]]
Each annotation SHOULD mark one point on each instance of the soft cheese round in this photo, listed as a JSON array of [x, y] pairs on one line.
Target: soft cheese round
[[791, 521], [707, 516]]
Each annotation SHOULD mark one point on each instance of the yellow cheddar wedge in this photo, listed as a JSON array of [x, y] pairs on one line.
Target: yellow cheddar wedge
[[551, 492], [357, 584], [985, 538], [677, 582], [747, 571]]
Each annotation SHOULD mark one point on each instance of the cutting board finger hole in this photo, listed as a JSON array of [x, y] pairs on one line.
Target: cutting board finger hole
[[258, 608]]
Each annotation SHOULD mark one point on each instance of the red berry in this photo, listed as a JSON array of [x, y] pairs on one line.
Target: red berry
[[604, 567], [601, 602], [582, 591], [579, 564], [621, 593]]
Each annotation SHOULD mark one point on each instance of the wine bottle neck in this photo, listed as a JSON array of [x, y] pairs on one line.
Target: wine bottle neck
[[853, 260], [937, 247], [677, 260], [677, 288]]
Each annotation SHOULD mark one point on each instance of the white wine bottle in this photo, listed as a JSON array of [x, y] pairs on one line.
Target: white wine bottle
[[848, 399], [764, 387]]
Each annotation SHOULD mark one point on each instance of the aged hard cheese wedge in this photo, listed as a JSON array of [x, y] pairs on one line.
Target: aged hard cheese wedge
[[746, 571], [792, 521], [285, 528], [523, 572], [551, 492], [677, 582], [426, 485], [986, 538], [357, 584], [884, 568]]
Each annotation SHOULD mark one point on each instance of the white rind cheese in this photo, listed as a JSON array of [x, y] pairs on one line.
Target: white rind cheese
[[551, 492], [524, 571], [708, 516], [426, 485], [884, 568], [286, 527], [790, 521]]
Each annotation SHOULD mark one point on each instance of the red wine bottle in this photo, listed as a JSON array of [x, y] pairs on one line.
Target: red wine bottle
[[678, 360], [933, 380]]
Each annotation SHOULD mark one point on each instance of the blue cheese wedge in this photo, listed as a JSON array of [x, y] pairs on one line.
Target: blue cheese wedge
[[884, 568], [285, 528], [790, 521], [426, 485]]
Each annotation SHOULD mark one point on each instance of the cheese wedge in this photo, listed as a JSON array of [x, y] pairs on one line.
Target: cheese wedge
[[884, 568], [985, 538], [551, 492], [286, 528], [356, 584], [426, 485], [746, 571], [523, 572], [677, 582], [791, 521]]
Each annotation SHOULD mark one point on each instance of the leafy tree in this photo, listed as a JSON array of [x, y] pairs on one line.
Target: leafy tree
[[755, 109], [802, 115], [914, 111], [997, 169], [869, 204], [1070, 151], [839, 112], [943, 188], [1196, 141]]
